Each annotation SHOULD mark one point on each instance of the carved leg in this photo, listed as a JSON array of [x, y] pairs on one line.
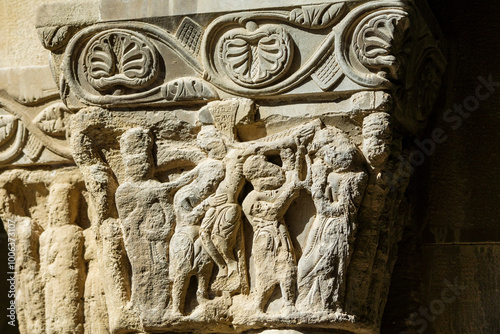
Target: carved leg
[[116, 279], [264, 292], [179, 289], [208, 244], [226, 249], [204, 280], [287, 285], [225, 243]]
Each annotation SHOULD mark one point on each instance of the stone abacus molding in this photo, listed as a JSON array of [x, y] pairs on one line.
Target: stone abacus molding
[[236, 170]]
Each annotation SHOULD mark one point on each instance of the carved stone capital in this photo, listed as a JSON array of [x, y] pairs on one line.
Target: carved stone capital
[[241, 165]]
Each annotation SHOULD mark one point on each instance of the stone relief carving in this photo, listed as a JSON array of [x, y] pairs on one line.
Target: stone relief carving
[[217, 187], [190, 34], [256, 57], [32, 134], [120, 58], [338, 184], [60, 264]]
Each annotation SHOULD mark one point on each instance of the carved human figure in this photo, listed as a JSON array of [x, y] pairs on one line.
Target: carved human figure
[[101, 185], [188, 257], [62, 264], [96, 312], [145, 209], [274, 190], [30, 304], [220, 227], [377, 145], [377, 139], [338, 183]]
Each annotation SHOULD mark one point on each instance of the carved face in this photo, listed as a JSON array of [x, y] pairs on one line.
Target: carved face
[[209, 140], [339, 157], [377, 139], [335, 149], [263, 174]]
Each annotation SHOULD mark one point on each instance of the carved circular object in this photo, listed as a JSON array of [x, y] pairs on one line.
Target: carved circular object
[[257, 58], [120, 57]]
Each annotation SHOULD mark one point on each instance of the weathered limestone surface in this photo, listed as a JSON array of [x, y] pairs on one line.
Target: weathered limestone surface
[[214, 169]]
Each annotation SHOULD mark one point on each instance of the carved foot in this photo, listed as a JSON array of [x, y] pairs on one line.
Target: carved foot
[[126, 321], [288, 308]]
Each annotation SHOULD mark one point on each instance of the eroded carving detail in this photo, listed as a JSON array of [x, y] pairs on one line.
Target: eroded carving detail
[[54, 38], [52, 120], [379, 39], [188, 89], [14, 137]]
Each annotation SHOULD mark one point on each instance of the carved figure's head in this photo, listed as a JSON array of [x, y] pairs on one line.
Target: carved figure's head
[[334, 148], [263, 174], [209, 177], [377, 138], [210, 140], [136, 146]]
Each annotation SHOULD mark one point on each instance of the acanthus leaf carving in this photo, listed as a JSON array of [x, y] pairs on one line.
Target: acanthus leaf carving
[[379, 42], [318, 16], [51, 120], [256, 58], [372, 43], [8, 126], [120, 58], [188, 89], [240, 60], [119, 64]]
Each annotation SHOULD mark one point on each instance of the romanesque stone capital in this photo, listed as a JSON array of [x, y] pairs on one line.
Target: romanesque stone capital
[[241, 164]]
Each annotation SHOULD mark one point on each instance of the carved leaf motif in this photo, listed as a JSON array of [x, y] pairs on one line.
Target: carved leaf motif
[[54, 38], [318, 16], [257, 58], [380, 42], [7, 128], [185, 89], [120, 58], [51, 120]]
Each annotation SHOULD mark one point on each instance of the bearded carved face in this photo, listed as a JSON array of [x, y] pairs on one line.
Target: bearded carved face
[[377, 139]]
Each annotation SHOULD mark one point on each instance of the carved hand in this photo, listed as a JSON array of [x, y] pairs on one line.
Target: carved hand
[[305, 134], [216, 200]]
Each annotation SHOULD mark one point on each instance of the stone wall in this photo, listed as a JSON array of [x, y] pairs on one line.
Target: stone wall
[[458, 212]]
